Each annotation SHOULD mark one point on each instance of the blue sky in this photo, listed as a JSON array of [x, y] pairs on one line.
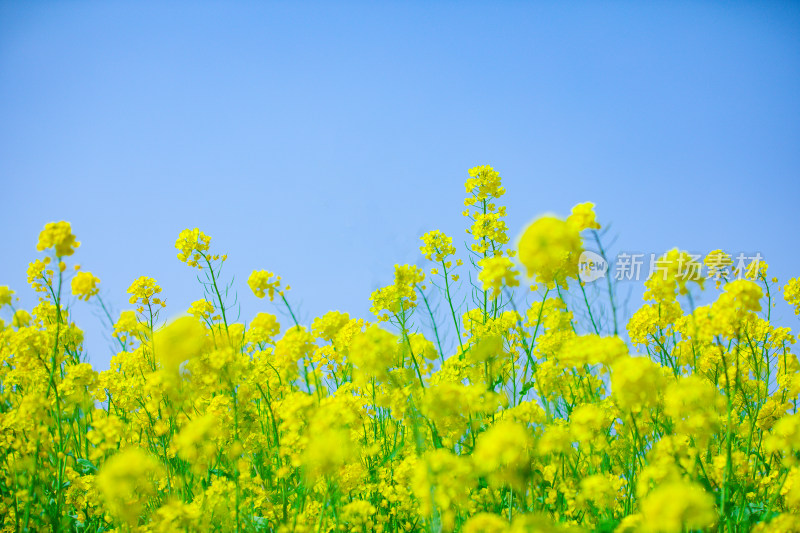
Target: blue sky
[[320, 140]]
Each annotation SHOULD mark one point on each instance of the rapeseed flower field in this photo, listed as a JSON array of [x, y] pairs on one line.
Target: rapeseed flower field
[[546, 414]]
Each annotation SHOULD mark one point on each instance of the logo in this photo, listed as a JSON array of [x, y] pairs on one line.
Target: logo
[[591, 266]]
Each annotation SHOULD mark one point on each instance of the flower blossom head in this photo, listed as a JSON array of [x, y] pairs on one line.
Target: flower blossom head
[[583, 217], [437, 246], [496, 272], [84, 285], [192, 244], [143, 291], [264, 283], [58, 235], [5, 295], [549, 249]]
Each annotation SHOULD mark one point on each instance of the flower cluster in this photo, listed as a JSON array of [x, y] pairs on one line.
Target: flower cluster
[[583, 217], [488, 228], [791, 294], [192, 245], [5, 295], [549, 249], [496, 272], [264, 283], [437, 246], [143, 292], [400, 297], [84, 285], [469, 407], [58, 235]]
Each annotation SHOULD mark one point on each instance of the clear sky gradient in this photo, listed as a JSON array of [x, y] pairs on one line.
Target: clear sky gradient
[[320, 141]]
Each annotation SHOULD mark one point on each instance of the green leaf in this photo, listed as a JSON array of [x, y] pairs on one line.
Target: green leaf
[[86, 467]]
